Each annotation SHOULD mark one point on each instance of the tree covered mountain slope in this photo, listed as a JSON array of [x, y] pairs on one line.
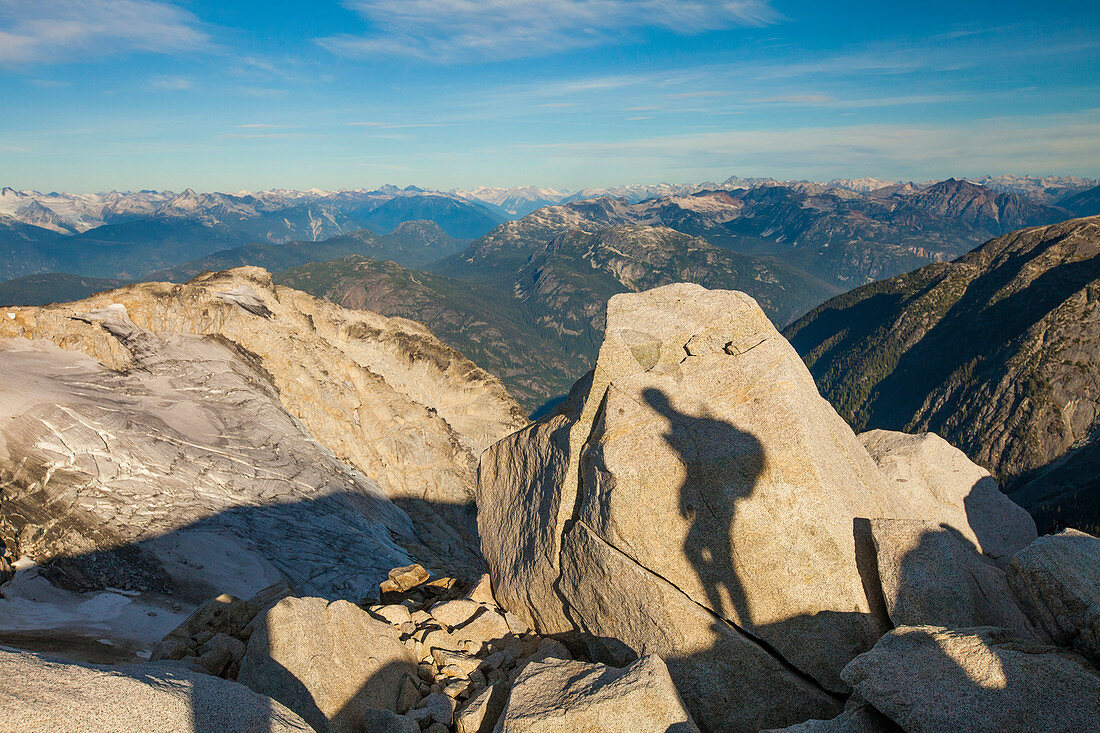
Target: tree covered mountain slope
[[533, 313], [412, 243], [998, 351]]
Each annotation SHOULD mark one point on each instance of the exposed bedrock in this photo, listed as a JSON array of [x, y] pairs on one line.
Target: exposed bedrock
[[383, 394], [696, 498]]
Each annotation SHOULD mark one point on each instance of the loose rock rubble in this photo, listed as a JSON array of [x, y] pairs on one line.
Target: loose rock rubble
[[213, 639], [438, 655]]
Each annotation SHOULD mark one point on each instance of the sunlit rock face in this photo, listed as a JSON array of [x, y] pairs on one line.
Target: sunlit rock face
[[381, 393], [697, 498], [929, 679], [41, 693], [182, 476], [181, 441]]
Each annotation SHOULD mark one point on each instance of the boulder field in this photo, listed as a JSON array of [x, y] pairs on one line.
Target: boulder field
[[693, 540]]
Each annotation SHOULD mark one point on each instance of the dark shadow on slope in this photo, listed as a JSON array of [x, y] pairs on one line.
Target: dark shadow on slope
[[332, 547]]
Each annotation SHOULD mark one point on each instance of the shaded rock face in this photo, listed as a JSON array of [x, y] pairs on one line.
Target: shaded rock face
[[929, 679], [329, 662], [1057, 578], [381, 393], [183, 475], [929, 576], [41, 694], [571, 697], [698, 499], [940, 482], [858, 717]]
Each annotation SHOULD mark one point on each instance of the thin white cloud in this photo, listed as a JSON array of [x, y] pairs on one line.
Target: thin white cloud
[[1051, 143], [52, 31], [451, 31], [398, 125], [170, 84]]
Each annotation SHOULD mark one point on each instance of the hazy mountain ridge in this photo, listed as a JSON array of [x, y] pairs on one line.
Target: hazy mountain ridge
[[840, 236], [151, 230], [995, 351], [1041, 189], [530, 307], [412, 243]]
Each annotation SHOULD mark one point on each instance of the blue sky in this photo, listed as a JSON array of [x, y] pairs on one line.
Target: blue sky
[[128, 94]]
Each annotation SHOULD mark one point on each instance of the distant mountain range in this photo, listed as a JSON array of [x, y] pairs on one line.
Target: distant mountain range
[[998, 352], [130, 235], [840, 236], [522, 296], [533, 312]]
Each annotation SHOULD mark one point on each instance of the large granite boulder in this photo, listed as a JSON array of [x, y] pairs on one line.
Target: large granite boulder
[[929, 680], [40, 694], [932, 577], [942, 485], [695, 494], [696, 498], [331, 663], [1057, 578], [562, 696]]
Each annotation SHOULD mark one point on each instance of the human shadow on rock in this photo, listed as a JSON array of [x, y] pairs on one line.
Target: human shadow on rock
[[722, 464]]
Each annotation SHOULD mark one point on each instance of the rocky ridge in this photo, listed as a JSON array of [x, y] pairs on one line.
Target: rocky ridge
[[693, 541], [540, 325], [172, 442]]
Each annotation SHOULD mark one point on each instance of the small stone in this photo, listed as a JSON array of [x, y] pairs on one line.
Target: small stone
[[455, 613], [170, 648], [409, 695], [440, 585], [457, 687], [404, 579], [482, 591], [426, 672], [465, 663], [495, 660], [395, 614], [486, 626], [559, 695], [440, 639], [480, 714], [440, 708], [215, 660], [421, 617], [234, 647]]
